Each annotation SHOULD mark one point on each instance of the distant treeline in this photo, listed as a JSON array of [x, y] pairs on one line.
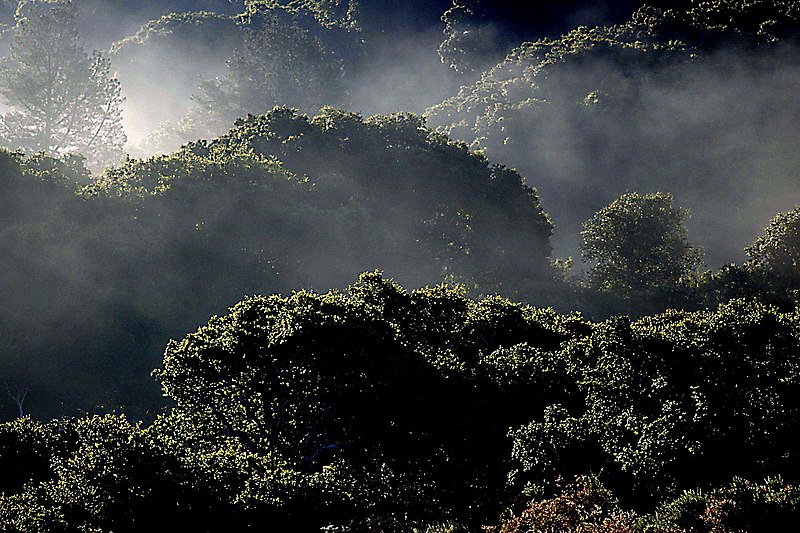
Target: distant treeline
[[699, 101]]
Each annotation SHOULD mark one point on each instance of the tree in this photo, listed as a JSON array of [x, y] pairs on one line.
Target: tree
[[284, 55], [777, 252], [18, 393], [281, 62], [640, 244], [473, 42], [403, 399], [62, 99]]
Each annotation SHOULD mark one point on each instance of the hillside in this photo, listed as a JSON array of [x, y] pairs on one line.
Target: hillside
[[357, 266], [283, 201], [700, 103]]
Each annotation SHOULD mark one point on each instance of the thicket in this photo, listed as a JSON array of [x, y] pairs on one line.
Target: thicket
[[99, 276], [670, 404], [286, 201], [380, 409]]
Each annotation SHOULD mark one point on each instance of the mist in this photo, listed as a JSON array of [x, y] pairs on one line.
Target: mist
[[718, 129], [182, 53], [440, 266], [104, 22], [402, 73]]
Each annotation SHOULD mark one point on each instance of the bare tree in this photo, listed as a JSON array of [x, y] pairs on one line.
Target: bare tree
[[18, 392]]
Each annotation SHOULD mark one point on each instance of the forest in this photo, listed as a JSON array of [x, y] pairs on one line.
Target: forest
[[445, 266]]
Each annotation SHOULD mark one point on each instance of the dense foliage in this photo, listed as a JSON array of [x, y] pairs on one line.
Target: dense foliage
[[641, 392], [288, 201], [283, 201], [421, 199], [378, 409], [479, 32]]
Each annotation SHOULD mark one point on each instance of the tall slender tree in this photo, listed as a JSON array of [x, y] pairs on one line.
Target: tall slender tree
[[61, 99]]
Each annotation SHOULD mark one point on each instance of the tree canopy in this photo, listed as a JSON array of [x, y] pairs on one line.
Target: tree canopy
[[466, 380], [640, 244], [777, 252], [380, 408], [283, 201]]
